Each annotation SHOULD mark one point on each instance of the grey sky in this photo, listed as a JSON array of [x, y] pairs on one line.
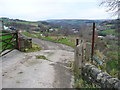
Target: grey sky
[[53, 9]]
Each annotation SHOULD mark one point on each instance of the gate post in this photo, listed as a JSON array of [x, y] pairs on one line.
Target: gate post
[[17, 40]]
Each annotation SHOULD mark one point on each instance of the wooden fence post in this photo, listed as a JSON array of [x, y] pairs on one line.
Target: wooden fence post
[[77, 42], [78, 59]]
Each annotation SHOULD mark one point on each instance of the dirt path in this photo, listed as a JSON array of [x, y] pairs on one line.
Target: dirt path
[[23, 70]]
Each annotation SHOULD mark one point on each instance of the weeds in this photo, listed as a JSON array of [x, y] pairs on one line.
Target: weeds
[[80, 83], [41, 57]]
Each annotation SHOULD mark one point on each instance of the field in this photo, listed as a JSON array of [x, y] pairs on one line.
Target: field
[[109, 31]]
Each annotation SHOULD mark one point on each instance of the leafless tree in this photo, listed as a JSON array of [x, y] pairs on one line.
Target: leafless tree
[[112, 5], [84, 32]]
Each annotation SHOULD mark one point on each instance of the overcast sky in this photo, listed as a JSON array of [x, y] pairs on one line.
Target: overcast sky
[[34, 10]]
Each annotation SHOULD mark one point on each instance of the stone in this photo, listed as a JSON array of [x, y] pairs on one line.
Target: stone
[[99, 76], [117, 85], [95, 72]]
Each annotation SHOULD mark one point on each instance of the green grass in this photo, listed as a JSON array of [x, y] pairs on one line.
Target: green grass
[[29, 34], [3, 43], [109, 31], [112, 65], [41, 57], [34, 23], [109, 25], [48, 38], [34, 48], [113, 53], [80, 83], [22, 22], [65, 41]]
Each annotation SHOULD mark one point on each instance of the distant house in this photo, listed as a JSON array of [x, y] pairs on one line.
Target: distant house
[[51, 29], [100, 37], [73, 29], [76, 31]]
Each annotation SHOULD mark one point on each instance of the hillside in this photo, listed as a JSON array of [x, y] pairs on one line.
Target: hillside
[[74, 21], [23, 25], [59, 26]]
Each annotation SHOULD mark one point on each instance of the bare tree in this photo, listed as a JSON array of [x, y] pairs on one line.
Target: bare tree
[[112, 5]]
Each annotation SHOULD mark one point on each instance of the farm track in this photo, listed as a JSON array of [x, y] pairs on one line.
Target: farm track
[[23, 70]]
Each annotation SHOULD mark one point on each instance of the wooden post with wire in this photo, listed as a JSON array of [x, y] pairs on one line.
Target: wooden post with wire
[[93, 41]]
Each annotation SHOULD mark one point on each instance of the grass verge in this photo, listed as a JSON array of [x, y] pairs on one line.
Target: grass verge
[[65, 41], [29, 34], [80, 83]]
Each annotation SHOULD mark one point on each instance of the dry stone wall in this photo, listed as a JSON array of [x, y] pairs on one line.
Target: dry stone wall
[[95, 76]]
